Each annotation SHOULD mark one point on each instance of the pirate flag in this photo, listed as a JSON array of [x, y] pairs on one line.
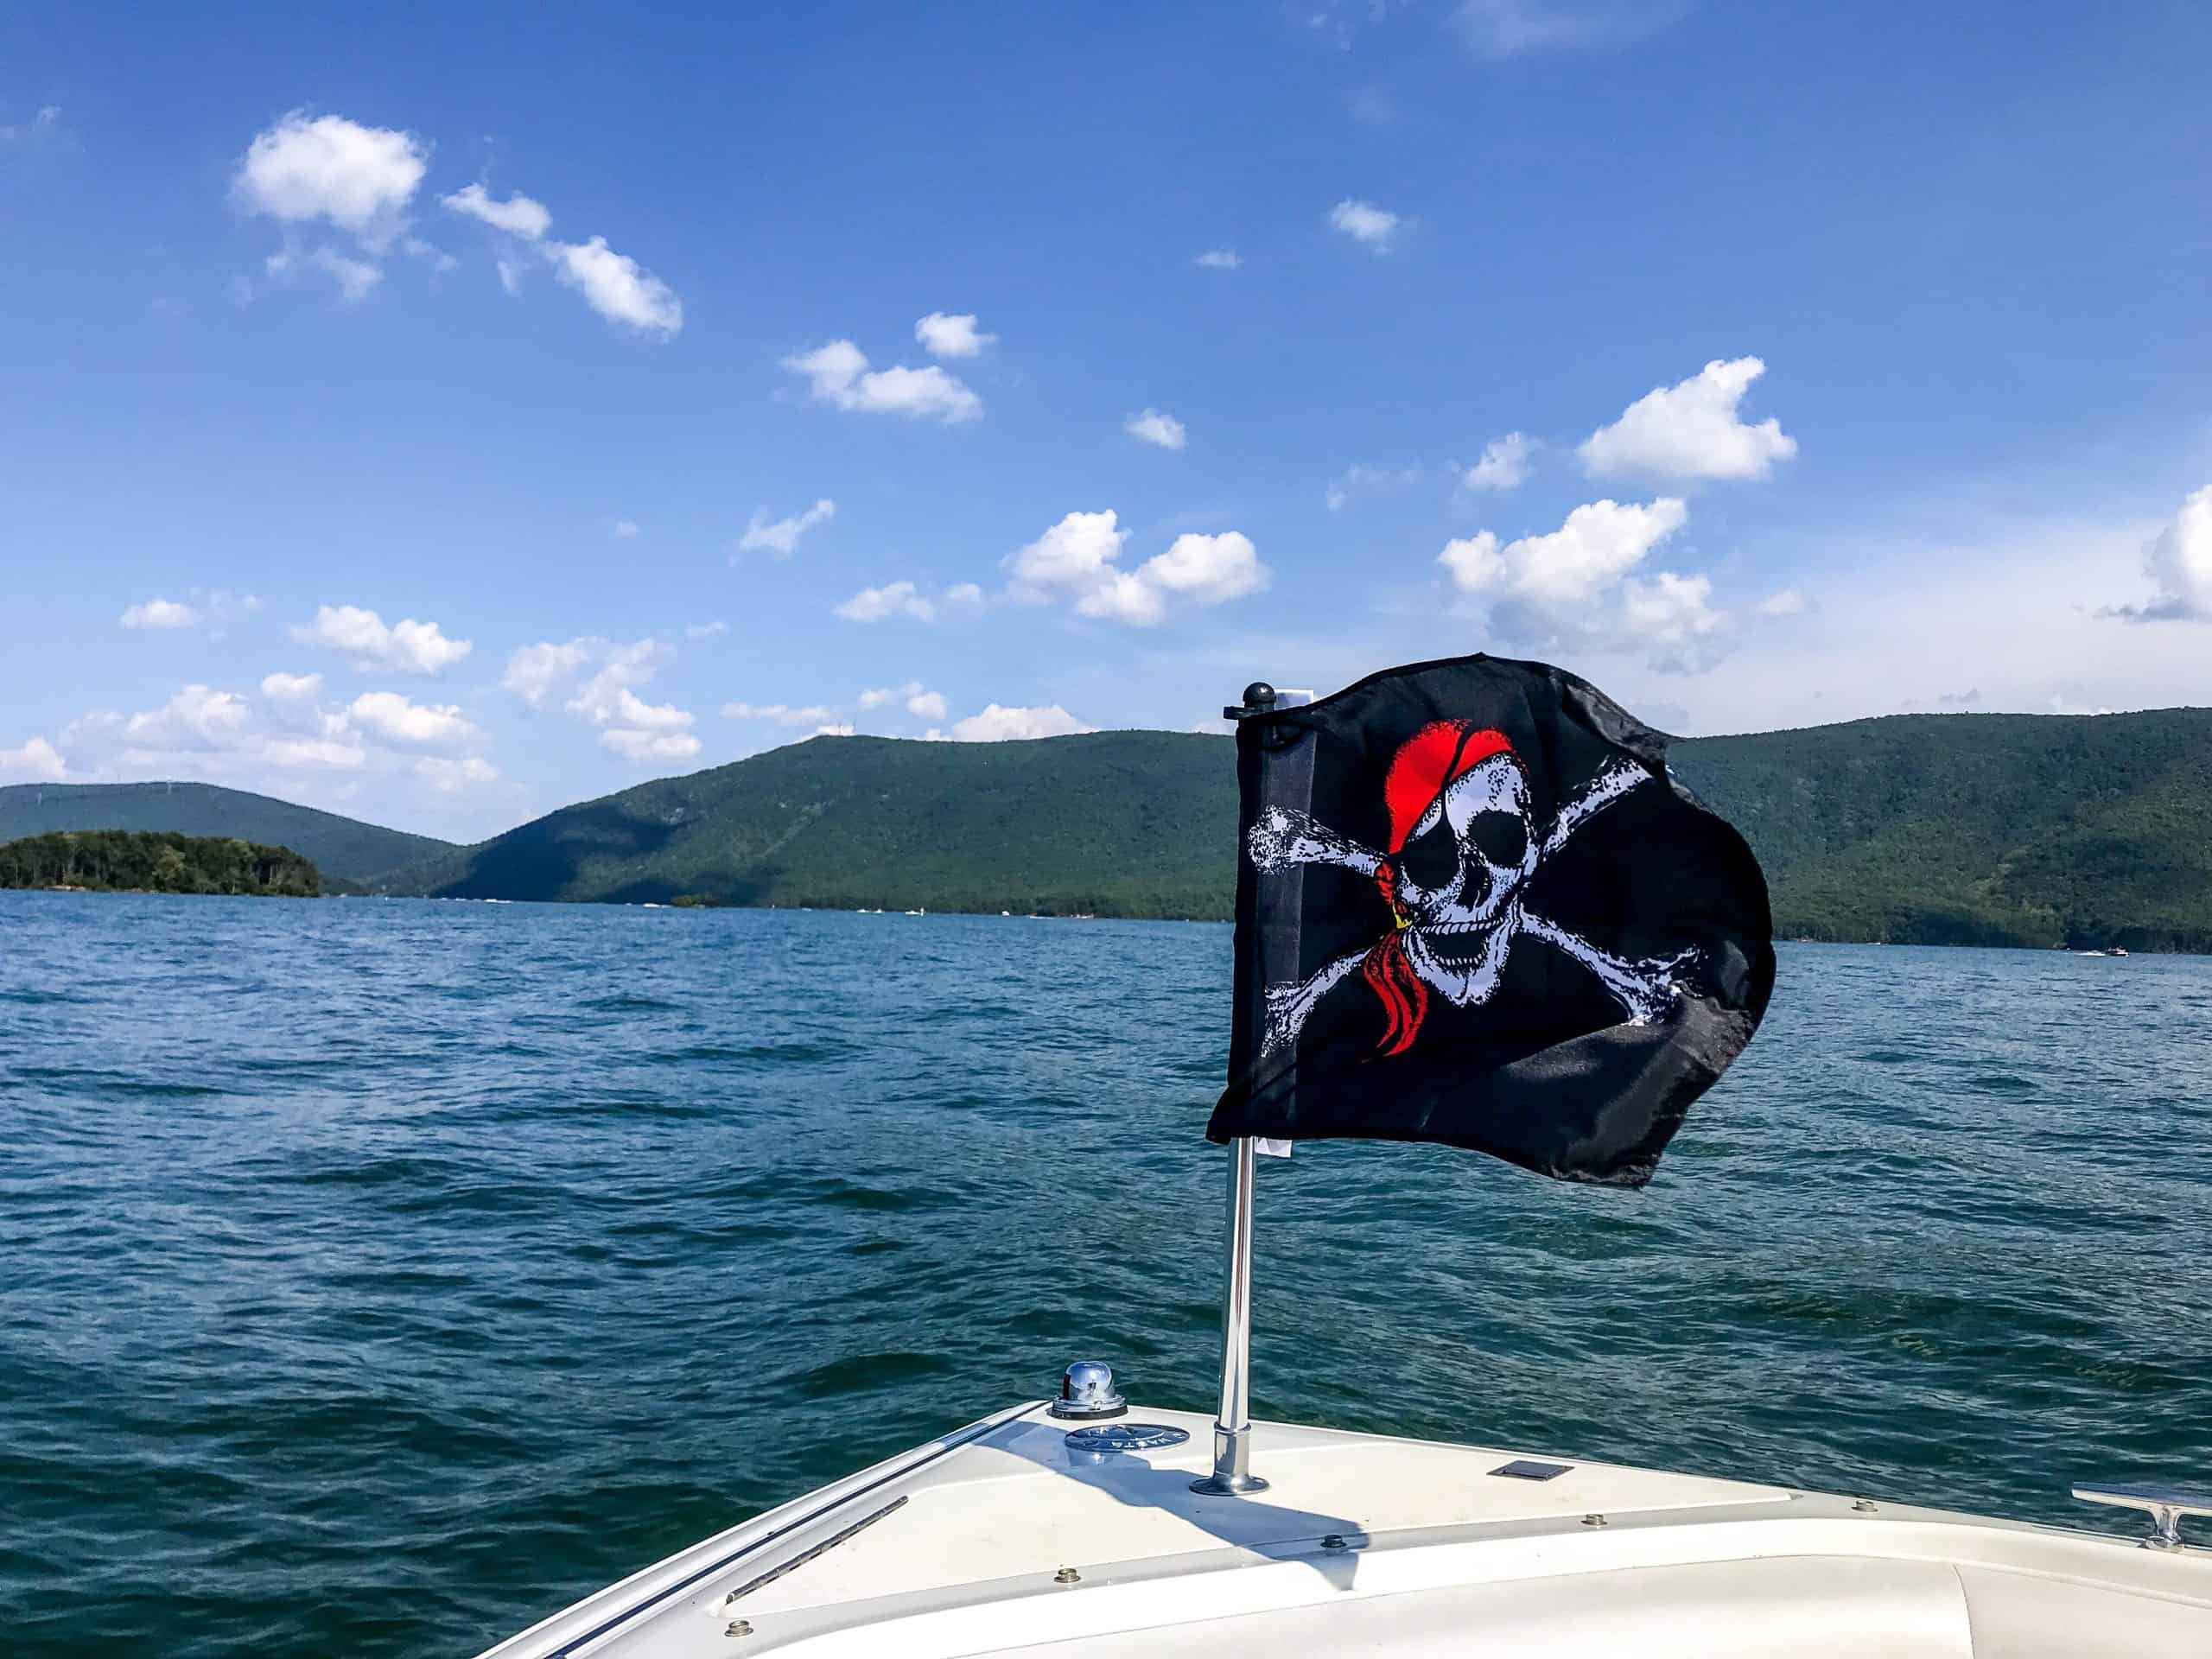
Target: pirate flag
[[1473, 906]]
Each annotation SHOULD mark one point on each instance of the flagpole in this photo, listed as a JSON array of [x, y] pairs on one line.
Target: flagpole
[[1232, 1425]]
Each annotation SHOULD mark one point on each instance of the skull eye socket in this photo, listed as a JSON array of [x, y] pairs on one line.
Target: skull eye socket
[[1499, 838], [1430, 859]]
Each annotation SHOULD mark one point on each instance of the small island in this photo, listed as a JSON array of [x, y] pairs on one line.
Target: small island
[[119, 860]]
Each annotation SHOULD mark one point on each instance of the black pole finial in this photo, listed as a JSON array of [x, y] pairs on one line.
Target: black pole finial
[[1259, 697]]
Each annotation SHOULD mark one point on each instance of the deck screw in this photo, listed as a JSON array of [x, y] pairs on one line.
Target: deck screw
[[1067, 1575], [1864, 1505], [1334, 1541], [740, 1627], [1593, 1520]]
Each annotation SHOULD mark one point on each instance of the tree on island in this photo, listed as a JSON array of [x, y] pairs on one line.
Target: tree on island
[[116, 861]]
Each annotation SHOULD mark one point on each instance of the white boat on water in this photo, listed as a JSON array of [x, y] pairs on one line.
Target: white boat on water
[[1004, 1538], [1082, 1528]]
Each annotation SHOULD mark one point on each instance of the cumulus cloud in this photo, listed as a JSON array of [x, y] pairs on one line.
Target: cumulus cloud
[[450, 776], [1155, 426], [34, 759], [1218, 260], [1575, 585], [1504, 464], [952, 336], [617, 286], [837, 373], [2179, 560], [927, 705], [613, 284], [782, 536], [356, 278], [997, 724], [1787, 601], [598, 680], [358, 178], [835, 729], [406, 647], [394, 718], [291, 688], [905, 599], [1690, 430], [1365, 223], [781, 714], [159, 613], [518, 215], [1074, 562]]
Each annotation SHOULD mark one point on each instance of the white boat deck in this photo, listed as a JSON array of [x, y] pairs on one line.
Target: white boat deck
[[999, 1540]]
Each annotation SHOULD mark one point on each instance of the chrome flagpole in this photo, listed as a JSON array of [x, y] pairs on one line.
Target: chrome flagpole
[[1232, 1424]]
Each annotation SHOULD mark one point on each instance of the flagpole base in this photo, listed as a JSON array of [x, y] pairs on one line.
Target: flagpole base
[[1232, 1474]]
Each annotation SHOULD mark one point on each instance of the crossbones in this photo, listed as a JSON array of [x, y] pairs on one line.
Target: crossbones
[[1463, 847]]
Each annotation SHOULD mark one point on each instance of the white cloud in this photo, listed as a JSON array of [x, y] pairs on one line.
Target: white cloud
[[837, 728], [34, 759], [1690, 430], [903, 600], [360, 178], [1074, 561], [1672, 619], [1787, 601], [1574, 587], [2179, 560], [450, 776], [837, 373], [159, 614], [1219, 259], [952, 336], [782, 714], [782, 536], [1507, 29], [927, 705], [712, 630], [43, 128], [291, 688], [1365, 223], [883, 694], [509, 275], [356, 278], [1504, 464], [644, 746], [518, 215], [1360, 478], [432, 726], [1599, 543], [607, 697], [999, 725], [406, 647], [535, 672], [625, 530], [617, 287], [1155, 426]]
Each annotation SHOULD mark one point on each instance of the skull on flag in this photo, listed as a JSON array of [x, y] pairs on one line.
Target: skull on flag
[[1463, 846]]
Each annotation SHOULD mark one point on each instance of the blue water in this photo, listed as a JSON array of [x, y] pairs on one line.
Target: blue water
[[378, 1277]]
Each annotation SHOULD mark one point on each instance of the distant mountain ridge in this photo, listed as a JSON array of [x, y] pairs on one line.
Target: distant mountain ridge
[[342, 848], [2028, 830]]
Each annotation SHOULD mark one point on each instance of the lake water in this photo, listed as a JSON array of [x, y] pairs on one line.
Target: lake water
[[378, 1277]]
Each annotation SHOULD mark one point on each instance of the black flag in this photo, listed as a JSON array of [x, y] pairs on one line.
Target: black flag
[[1473, 906]]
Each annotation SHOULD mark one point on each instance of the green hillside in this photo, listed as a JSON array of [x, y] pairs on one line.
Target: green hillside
[[1941, 829], [339, 847], [1124, 824]]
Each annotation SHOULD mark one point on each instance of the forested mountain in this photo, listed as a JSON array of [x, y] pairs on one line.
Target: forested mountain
[[1124, 824], [1996, 829], [340, 847], [120, 861]]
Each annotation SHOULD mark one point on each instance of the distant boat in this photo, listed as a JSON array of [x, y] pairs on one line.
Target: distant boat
[[2117, 950], [2092, 953], [917, 912]]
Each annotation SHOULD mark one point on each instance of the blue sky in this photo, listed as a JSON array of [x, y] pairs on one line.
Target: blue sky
[[719, 374]]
